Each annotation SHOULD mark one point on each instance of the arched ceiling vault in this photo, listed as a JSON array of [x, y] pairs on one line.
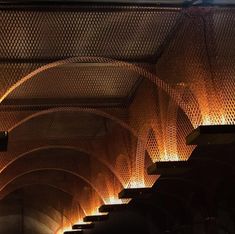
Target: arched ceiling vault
[[46, 200], [10, 224], [38, 168], [79, 164], [96, 112], [61, 180], [63, 211], [87, 90], [33, 213], [56, 203], [74, 149], [141, 71], [84, 146]]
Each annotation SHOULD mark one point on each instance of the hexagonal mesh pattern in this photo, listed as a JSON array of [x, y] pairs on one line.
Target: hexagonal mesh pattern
[[117, 32], [101, 92], [78, 81], [224, 68], [93, 31], [198, 61]]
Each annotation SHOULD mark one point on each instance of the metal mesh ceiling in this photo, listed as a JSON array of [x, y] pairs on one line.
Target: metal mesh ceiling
[[79, 82], [108, 83], [125, 33], [93, 31]]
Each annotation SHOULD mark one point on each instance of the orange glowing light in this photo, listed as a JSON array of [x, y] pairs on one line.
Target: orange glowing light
[[113, 200], [207, 120], [95, 211], [79, 220], [136, 183], [169, 156], [82, 222], [64, 229]]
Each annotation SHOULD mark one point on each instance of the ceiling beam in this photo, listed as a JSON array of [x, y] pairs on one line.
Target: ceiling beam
[[45, 103], [73, 4]]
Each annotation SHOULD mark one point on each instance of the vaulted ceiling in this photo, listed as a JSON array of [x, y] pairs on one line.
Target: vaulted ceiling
[[87, 88]]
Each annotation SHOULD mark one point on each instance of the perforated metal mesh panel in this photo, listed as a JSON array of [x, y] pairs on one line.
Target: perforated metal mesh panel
[[120, 86], [224, 68], [79, 81], [85, 31], [197, 60]]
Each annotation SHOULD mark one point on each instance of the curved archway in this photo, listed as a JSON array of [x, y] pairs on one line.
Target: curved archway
[[43, 160], [67, 215], [75, 109], [51, 210], [23, 199], [142, 148], [47, 177], [57, 169], [173, 93], [85, 212], [52, 199], [40, 223], [76, 149], [124, 167], [49, 221]]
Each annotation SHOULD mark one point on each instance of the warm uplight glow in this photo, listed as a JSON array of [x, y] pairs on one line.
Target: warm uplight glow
[[207, 120], [66, 225], [113, 200], [64, 229], [82, 222], [95, 211], [89, 201], [136, 184], [169, 157]]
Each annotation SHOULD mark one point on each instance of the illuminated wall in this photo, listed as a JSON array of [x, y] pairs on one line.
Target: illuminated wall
[[169, 72]]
